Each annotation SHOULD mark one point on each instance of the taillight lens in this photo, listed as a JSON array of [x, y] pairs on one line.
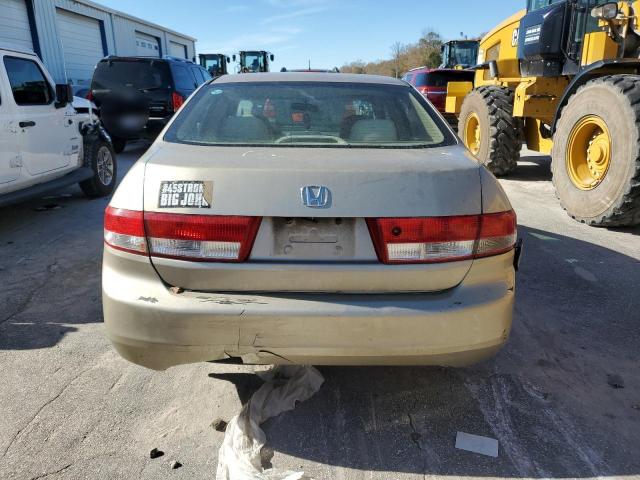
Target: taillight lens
[[498, 234], [124, 230], [90, 96], [176, 101], [442, 239], [201, 237]]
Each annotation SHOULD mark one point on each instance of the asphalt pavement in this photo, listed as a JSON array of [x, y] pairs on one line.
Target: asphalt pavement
[[562, 399]]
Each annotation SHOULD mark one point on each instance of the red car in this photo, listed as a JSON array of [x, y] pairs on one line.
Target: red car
[[432, 83]]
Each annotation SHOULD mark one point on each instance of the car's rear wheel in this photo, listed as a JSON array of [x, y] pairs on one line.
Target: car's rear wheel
[[100, 155]]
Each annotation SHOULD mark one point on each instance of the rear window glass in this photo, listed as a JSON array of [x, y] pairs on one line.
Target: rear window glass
[[309, 113], [144, 75], [441, 79]]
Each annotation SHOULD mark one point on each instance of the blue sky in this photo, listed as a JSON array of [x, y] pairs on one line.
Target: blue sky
[[328, 32]]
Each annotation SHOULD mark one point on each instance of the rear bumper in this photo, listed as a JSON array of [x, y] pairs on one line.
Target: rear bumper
[[153, 327], [151, 130]]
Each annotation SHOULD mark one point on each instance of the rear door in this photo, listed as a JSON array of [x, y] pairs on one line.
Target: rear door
[[183, 78], [48, 136]]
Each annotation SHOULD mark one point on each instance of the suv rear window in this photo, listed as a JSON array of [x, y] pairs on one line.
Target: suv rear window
[[441, 79], [309, 113], [142, 75]]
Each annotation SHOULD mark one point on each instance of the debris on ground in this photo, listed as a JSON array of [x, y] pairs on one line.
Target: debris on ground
[[240, 456], [175, 464], [615, 381], [477, 444], [155, 453], [219, 424], [47, 207], [53, 197]]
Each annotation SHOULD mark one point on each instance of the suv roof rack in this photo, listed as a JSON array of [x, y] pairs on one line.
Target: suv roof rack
[[417, 68], [176, 59]]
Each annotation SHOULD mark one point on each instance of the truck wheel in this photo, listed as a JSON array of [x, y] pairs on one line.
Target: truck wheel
[[100, 156], [487, 127], [118, 144], [596, 153]]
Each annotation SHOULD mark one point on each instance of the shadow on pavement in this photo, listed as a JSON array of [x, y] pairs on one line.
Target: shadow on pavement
[[532, 168], [50, 264], [545, 397]]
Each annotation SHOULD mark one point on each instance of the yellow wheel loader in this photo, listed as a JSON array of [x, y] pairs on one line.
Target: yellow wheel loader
[[564, 77]]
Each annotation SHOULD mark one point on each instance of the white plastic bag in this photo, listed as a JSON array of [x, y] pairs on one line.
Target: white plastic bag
[[239, 456]]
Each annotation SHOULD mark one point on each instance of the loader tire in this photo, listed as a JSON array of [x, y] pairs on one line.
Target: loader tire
[[596, 153], [487, 127]]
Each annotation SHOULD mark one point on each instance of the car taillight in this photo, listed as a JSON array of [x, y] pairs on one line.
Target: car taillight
[[124, 230], [203, 238], [176, 101], [442, 239], [200, 237], [90, 96]]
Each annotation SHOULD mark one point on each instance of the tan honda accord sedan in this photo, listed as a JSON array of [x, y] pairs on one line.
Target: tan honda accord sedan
[[308, 218]]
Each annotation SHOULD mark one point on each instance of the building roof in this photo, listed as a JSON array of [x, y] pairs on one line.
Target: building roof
[[135, 19], [309, 77]]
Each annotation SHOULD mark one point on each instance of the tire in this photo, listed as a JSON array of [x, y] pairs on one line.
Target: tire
[[99, 154], [119, 144], [613, 197], [500, 133]]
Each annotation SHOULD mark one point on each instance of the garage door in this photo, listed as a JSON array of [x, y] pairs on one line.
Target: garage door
[[147, 45], [14, 24], [178, 50], [82, 47]]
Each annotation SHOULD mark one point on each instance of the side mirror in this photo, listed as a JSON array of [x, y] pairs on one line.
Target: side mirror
[[272, 57], [234, 57], [608, 11], [229, 60], [64, 95]]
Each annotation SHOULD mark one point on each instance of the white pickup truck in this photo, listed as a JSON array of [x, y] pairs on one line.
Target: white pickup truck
[[45, 142]]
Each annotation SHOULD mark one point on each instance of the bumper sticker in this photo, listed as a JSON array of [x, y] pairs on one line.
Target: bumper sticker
[[185, 194]]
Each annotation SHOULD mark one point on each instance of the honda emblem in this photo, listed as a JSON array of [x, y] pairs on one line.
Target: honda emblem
[[316, 197]]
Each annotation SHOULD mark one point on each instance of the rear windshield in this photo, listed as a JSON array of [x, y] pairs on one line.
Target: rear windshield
[[142, 75], [441, 79], [309, 113]]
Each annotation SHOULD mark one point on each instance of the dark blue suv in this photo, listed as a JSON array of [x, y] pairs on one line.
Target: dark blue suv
[[137, 96]]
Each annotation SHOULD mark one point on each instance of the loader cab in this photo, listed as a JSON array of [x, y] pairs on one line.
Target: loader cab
[[215, 63], [460, 54], [551, 39], [254, 61]]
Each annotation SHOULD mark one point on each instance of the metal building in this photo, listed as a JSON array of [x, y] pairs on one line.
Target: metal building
[[72, 35]]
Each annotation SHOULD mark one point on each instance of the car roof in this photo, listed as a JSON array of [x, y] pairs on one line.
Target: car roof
[[149, 58], [306, 76], [432, 70]]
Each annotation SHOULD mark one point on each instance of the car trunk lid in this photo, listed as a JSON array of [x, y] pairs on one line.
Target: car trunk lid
[[302, 249]]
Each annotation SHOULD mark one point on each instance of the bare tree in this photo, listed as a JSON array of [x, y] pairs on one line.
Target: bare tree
[[397, 51]]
